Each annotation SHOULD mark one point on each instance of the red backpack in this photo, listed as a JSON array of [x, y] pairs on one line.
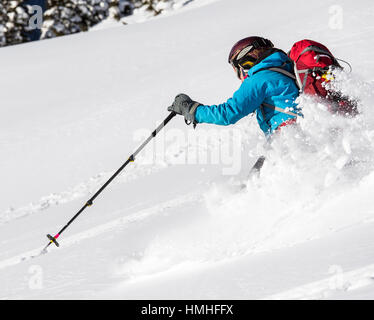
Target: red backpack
[[313, 61]]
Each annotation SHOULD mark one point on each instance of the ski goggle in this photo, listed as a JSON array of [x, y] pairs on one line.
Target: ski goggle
[[241, 61]]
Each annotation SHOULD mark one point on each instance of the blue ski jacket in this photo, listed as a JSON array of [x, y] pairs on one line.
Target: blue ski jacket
[[259, 87]]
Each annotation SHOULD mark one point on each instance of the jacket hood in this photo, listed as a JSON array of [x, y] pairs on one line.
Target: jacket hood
[[276, 59]]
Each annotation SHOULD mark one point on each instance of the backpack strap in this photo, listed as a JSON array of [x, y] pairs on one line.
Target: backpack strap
[[294, 75], [264, 104], [300, 84], [283, 71], [318, 50]]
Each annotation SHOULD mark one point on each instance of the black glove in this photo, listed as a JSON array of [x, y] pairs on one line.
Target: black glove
[[186, 107]]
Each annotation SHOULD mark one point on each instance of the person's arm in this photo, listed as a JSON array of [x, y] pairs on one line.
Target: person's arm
[[245, 100]]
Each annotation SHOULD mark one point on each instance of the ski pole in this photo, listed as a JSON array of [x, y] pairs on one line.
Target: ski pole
[[257, 166], [90, 201]]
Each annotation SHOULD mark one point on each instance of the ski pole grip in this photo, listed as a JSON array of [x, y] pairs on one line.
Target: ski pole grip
[[171, 116]]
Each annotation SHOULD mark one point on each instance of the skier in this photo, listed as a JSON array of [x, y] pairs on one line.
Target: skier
[[268, 89]]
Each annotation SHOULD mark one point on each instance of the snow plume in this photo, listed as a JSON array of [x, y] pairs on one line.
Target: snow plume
[[315, 174]]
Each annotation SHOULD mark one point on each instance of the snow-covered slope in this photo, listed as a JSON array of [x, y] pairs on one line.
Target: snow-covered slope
[[175, 224]]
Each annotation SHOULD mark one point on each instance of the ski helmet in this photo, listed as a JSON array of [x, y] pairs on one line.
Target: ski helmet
[[245, 53]]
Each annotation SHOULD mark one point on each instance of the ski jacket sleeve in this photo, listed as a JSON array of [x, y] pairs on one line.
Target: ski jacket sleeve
[[245, 100]]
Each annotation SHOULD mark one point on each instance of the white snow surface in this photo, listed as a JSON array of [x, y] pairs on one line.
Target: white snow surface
[[175, 224]]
